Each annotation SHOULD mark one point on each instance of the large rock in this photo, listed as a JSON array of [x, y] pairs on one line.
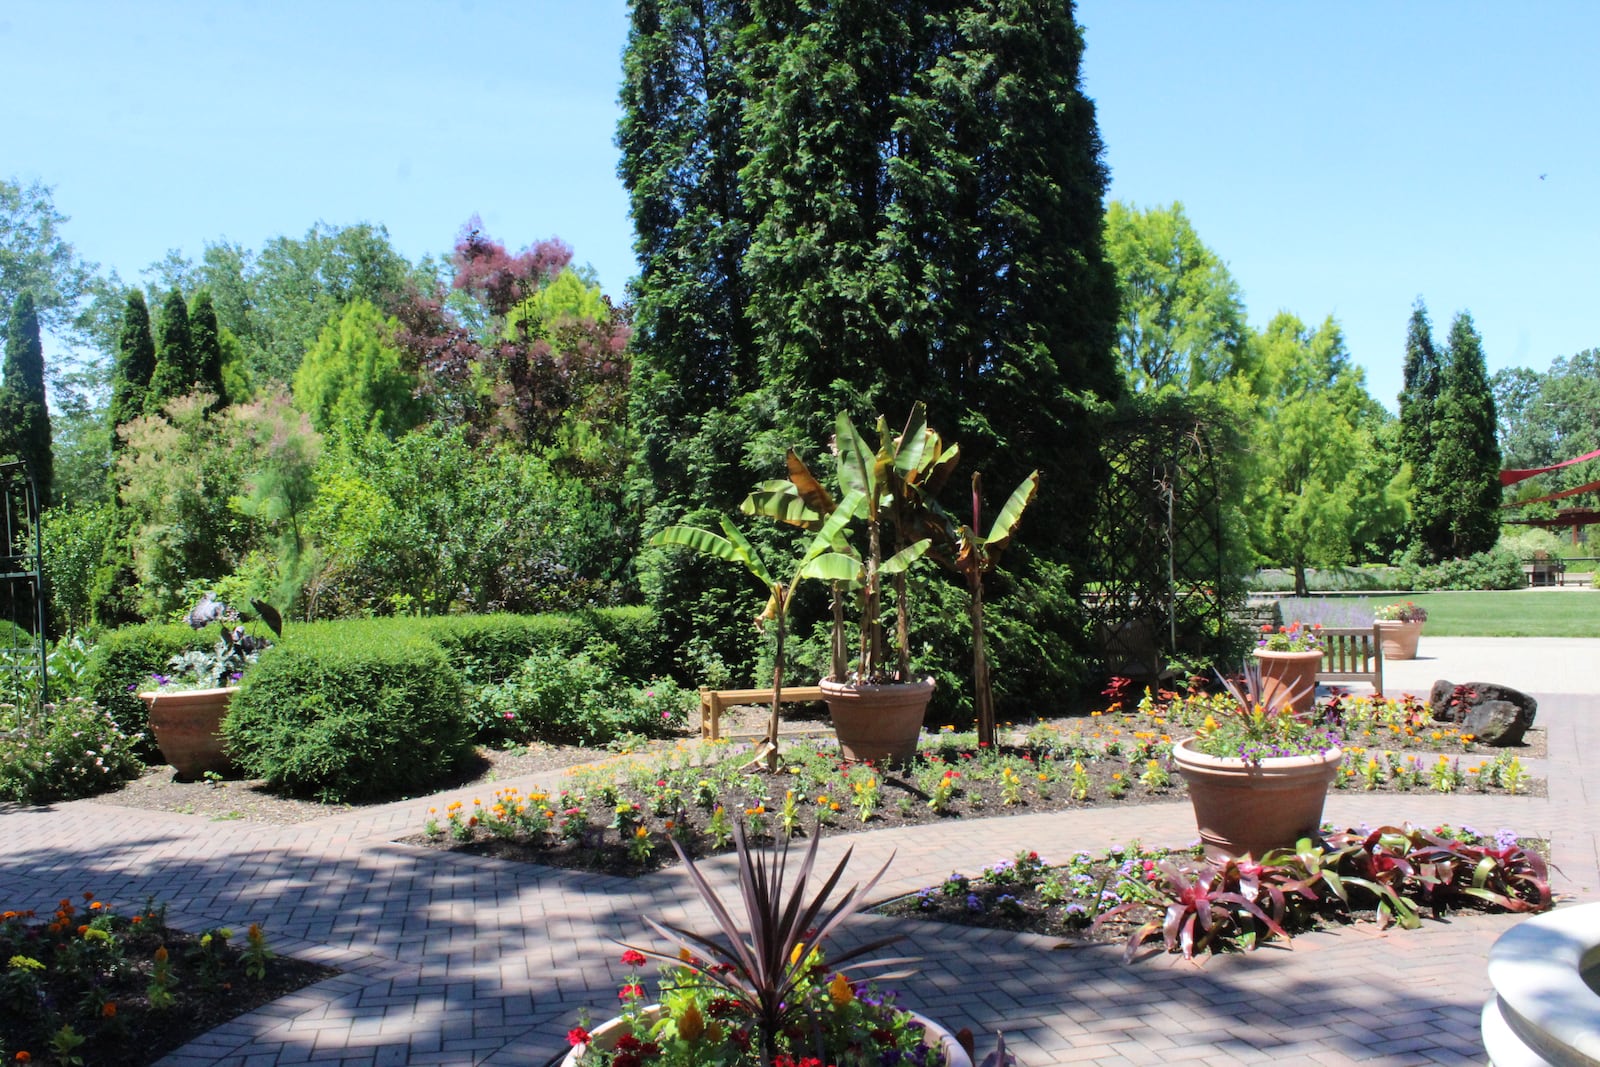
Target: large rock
[[1494, 714]]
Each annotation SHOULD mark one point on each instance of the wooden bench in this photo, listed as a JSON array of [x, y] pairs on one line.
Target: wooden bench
[[1352, 654], [713, 701]]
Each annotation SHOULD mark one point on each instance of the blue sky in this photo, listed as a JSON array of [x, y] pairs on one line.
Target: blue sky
[[1341, 159]]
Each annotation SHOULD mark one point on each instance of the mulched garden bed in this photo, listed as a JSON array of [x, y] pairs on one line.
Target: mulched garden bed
[[617, 817], [1111, 897], [99, 974]]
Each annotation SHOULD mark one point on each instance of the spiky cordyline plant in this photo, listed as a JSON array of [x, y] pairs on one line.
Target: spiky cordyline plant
[[761, 968]]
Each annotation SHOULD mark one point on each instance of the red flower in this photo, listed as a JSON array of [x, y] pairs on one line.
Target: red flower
[[577, 1036], [629, 1043], [629, 992], [633, 958], [627, 1059]]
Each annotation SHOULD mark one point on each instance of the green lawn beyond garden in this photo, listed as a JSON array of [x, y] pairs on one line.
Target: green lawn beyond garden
[[1508, 613]]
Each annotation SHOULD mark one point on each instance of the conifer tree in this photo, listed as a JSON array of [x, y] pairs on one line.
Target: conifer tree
[[135, 363], [1419, 397], [854, 206], [176, 371], [206, 341], [682, 150], [1458, 499], [24, 413]]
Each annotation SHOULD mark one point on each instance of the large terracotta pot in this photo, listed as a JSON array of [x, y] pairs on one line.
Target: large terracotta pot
[[1399, 638], [188, 728], [1252, 808], [604, 1038], [880, 723], [1292, 672]]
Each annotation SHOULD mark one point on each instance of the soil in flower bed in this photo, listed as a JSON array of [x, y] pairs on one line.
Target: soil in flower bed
[[616, 817], [98, 973], [1126, 888]]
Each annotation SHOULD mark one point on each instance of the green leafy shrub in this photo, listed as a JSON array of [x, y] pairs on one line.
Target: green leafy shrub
[[1498, 568], [350, 712], [562, 698], [123, 661], [491, 648], [75, 749]]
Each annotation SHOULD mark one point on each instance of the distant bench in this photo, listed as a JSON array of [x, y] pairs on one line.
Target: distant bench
[[1352, 654], [714, 701]]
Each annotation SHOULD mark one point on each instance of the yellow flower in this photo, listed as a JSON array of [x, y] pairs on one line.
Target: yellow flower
[[839, 990], [799, 950]]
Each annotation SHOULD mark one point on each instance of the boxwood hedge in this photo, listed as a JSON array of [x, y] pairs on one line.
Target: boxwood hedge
[[351, 712]]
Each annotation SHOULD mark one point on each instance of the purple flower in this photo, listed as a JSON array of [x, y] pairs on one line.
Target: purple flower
[[973, 903]]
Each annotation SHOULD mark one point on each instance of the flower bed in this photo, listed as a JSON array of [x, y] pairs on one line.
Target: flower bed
[[1392, 875], [617, 816], [90, 986]]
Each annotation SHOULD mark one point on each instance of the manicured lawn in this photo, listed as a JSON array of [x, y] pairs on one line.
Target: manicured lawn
[[1509, 613]]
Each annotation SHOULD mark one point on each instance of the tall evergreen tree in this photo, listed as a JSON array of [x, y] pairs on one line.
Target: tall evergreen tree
[[24, 413], [206, 341], [853, 207], [682, 150], [176, 370], [1459, 495], [135, 363], [1419, 397]]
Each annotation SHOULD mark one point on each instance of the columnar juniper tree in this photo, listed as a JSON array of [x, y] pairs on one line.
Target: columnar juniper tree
[[176, 370], [136, 361], [24, 416], [1462, 488], [1418, 397], [206, 340], [854, 206]]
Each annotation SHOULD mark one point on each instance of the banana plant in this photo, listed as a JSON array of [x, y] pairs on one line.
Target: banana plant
[[973, 555], [819, 559], [883, 487]]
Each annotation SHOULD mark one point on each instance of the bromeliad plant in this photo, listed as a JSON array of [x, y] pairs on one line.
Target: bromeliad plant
[[764, 990]]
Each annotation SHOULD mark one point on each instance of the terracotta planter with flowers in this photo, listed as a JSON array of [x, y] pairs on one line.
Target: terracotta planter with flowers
[[1253, 807], [1290, 657], [1294, 674], [1400, 625], [1257, 771]]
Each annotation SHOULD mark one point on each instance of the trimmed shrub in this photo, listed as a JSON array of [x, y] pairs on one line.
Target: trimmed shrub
[[75, 749], [491, 648], [350, 713]]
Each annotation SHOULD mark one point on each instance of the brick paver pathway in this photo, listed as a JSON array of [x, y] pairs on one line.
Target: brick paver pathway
[[460, 960]]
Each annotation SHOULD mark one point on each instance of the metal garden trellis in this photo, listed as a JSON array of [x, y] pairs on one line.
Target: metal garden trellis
[[22, 594], [1157, 584]]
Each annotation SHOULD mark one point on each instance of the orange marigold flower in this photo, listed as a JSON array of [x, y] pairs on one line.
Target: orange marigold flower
[[161, 954], [24, 1056], [108, 1010]]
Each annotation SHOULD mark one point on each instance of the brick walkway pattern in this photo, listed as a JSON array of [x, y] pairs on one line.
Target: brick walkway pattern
[[461, 960]]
